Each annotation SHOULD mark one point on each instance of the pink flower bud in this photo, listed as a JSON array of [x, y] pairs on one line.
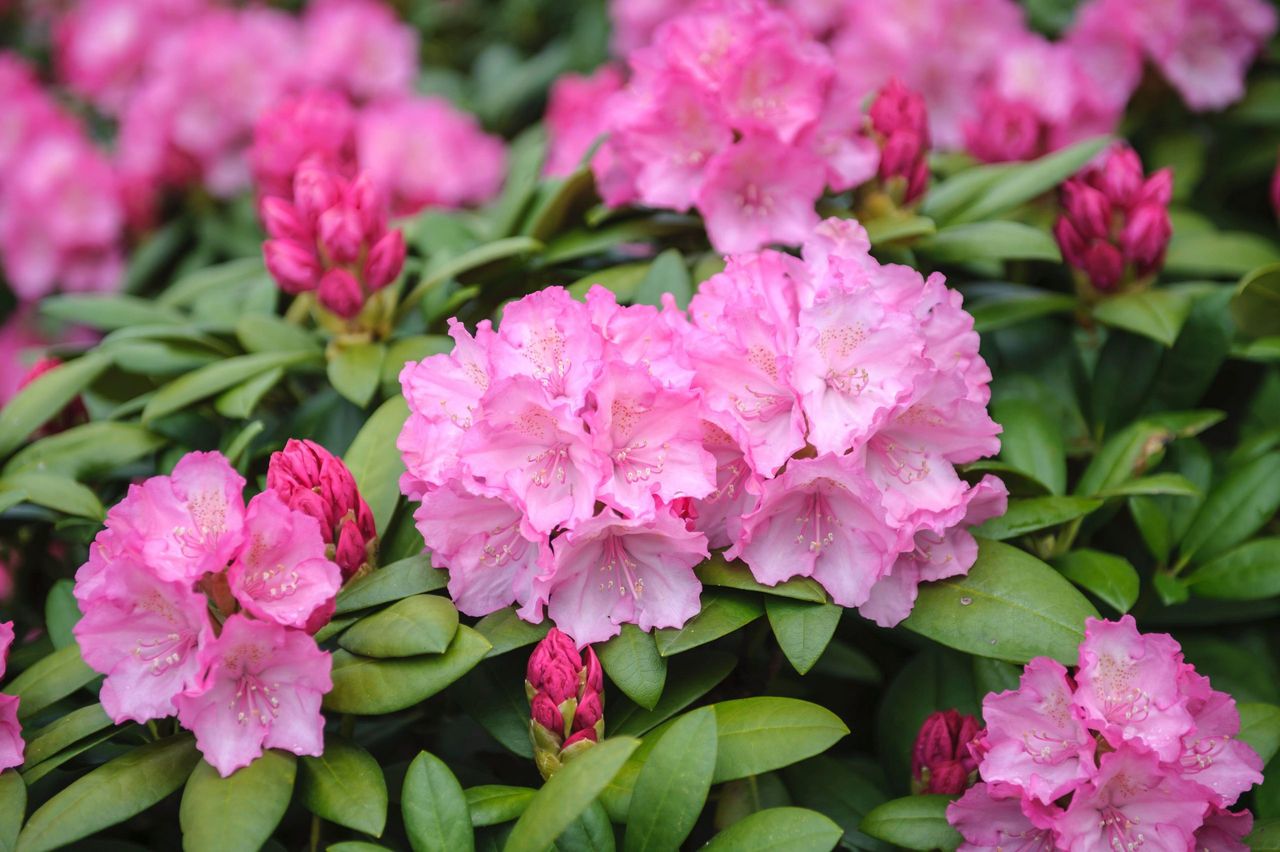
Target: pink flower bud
[[1145, 237], [556, 648], [589, 711], [1104, 265], [282, 221], [900, 120], [1070, 241], [1088, 209], [1157, 190], [1121, 175], [1005, 131], [340, 234], [316, 188], [370, 207], [547, 714], [940, 759], [587, 734], [897, 108], [293, 265], [340, 293], [351, 549], [595, 675], [385, 261]]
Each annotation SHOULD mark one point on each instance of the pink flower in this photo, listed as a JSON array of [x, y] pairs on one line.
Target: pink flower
[[574, 117], [1224, 831], [548, 337], [143, 632], [260, 687], [566, 699], [779, 87], [1131, 802], [1212, 756], [422, 152], [991, 823], [320, 123], [634, 21], [1007, 130], [611, 570], [12, 746], [359, 46], [282, 574]]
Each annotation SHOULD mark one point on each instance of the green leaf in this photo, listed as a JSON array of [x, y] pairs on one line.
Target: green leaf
[[365, 686], [1134, 449], [110, 794], [722, 613], [230, 275], [240, 811], [61, 612], [399, 580], [1014, 185], [667, 274], [1172, 484], [557, 198], [621, 280], [584, 242], [268, 333], [1265, 836], [217, 377], [1036, 513], [802, 629], [52, 679], [493, 694], [493, 804], [345, 785], [888, 229], [47, 395], [65, 731], [375, 462], [355, 370], [87, 450], [735, 575], [1032, 442], [240, 401], [1250, 571], [692, 676], [507, 631], [949, 197], [913, 822], [1218, 254], [435, 810], [1255, 305], [756, 735], [1011, 606], [55, 491], [568, 793], [993, 315], [467, 262], [996, 240], [107, 313], [524, 158], [590, 832], [843, 790], [421, 624], [673, 784], [1260, 728], [1234, 509], [632, 662], [1158, 314], [778, 830], [1112, 579], [13, 808]]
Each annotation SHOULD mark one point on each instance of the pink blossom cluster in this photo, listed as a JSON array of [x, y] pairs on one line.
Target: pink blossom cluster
[[732, 111], [62, 215], [585, 456], [11, 743], [1134, 749], [199, 605]]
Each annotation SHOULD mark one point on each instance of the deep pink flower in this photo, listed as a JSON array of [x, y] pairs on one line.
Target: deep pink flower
[[12, 746], [901, 123], [260, 687], [360, 47], [991, 823], [1224, 831], [319, 123]]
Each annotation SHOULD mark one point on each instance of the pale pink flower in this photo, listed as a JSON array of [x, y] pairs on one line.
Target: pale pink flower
[[360, 47], [575, 119], [548, 337], [737, 491], [260, 687], [1224, 831], [634, 21], [780, 87], [12, 746]]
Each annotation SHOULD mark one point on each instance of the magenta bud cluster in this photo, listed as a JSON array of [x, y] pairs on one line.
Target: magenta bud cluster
[[941, 761], [566, 700], [900, 121]]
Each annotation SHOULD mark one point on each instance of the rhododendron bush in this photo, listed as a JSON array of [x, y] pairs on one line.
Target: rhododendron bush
[[751, 424]]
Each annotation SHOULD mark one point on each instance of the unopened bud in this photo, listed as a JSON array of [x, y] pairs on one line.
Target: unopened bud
[[940, 760], [340, 293], [293, 265]]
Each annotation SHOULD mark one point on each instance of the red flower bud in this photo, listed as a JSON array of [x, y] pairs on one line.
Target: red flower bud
[[589, 711], [554, 647], [340, 234], [1145, 237], [547, 714], [294, 266], [369, 206], [900, 120], [940, 760], [340, 293], [385, 261], [1104, 265], [595, 675], [282, 221], [1120, 176], [584, 734], [316, 188]]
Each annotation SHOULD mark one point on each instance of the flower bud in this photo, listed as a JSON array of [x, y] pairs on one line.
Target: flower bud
[[1121, 176], [1088, 209], [566, 693], [1005, 131], [282, 222], [385, 260], [547, 714], [293, 265], [316, 188], [900, 122], [1145, 237], [369, 206], [940, 760], [339, 234], [340, 293], [1104, 265]]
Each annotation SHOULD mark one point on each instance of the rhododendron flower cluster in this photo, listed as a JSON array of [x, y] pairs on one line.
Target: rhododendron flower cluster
[[199, 605], [11, 743], [566, 701], [1115, 223], [731, 110], [584, 456], [61, 206], [1132, 749]]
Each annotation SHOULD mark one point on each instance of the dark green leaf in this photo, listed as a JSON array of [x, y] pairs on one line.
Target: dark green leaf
[[491, 804], [356, 370], [233, 274], [507, 631], [1260, 728], [111, 793], [345, 785], [61, 612], [1234, 509], [1036, 513], [412, 576], [1174, 484], [621, 280], [435, 810], [217, 377], [1017, 184], [1157, 314], [673, 784], [778, 830], [47, 395], [1255, 305], [421, 624], [996, 240], [1133, 450], [365, 686], [691, 676], [87, 450], [65, 731], [914, 822], [632, 662], [756, 735], [1265, 836], [722, 613], [375, 461], [667, 274], [993, 315], [1010, 606], [802, 629], [52, 679], [13, 808], [1250, 571], [241, 401], [493, 694], [240, 811], [1032, 442], [1112, 579], [468, 261], [736, 575], [590, 832]]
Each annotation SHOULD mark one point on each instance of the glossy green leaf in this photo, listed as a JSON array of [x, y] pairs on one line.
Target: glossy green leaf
[[435, 809], [492, 804], [64, 731], [1250, 571], [1131, 451], [376, 463], [34, 405], [1173, 484], [632, 662], [263, 333], [110, 794], [1218, 254], [690, 677], [1111, 578], [232, 274], [412, 576], [469, 261], [1017, 184], [667, 274], [590, 832], [778, 830], [621, 280], [1036, 513], [756, 735], [240, 811], [1017, 306], [1260, 728], [888, 229], [242, 400], [1265, 836], [493, 694], [355, 371], [345, 785], [736, 575], [672, 786], [421, 624], [568, 793], [802, 629], [87, 450], [996, 240], [722, 613], [842, 789], [1255, 305], [61, 612], [107, 313], [1157, 314], [1032, 442], [1234, 509], [13, 808], [55, 491], [914, 822], [52, 679], [1010, 606], [205, 382], [507, 631], [366, 686], [948, 197]]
